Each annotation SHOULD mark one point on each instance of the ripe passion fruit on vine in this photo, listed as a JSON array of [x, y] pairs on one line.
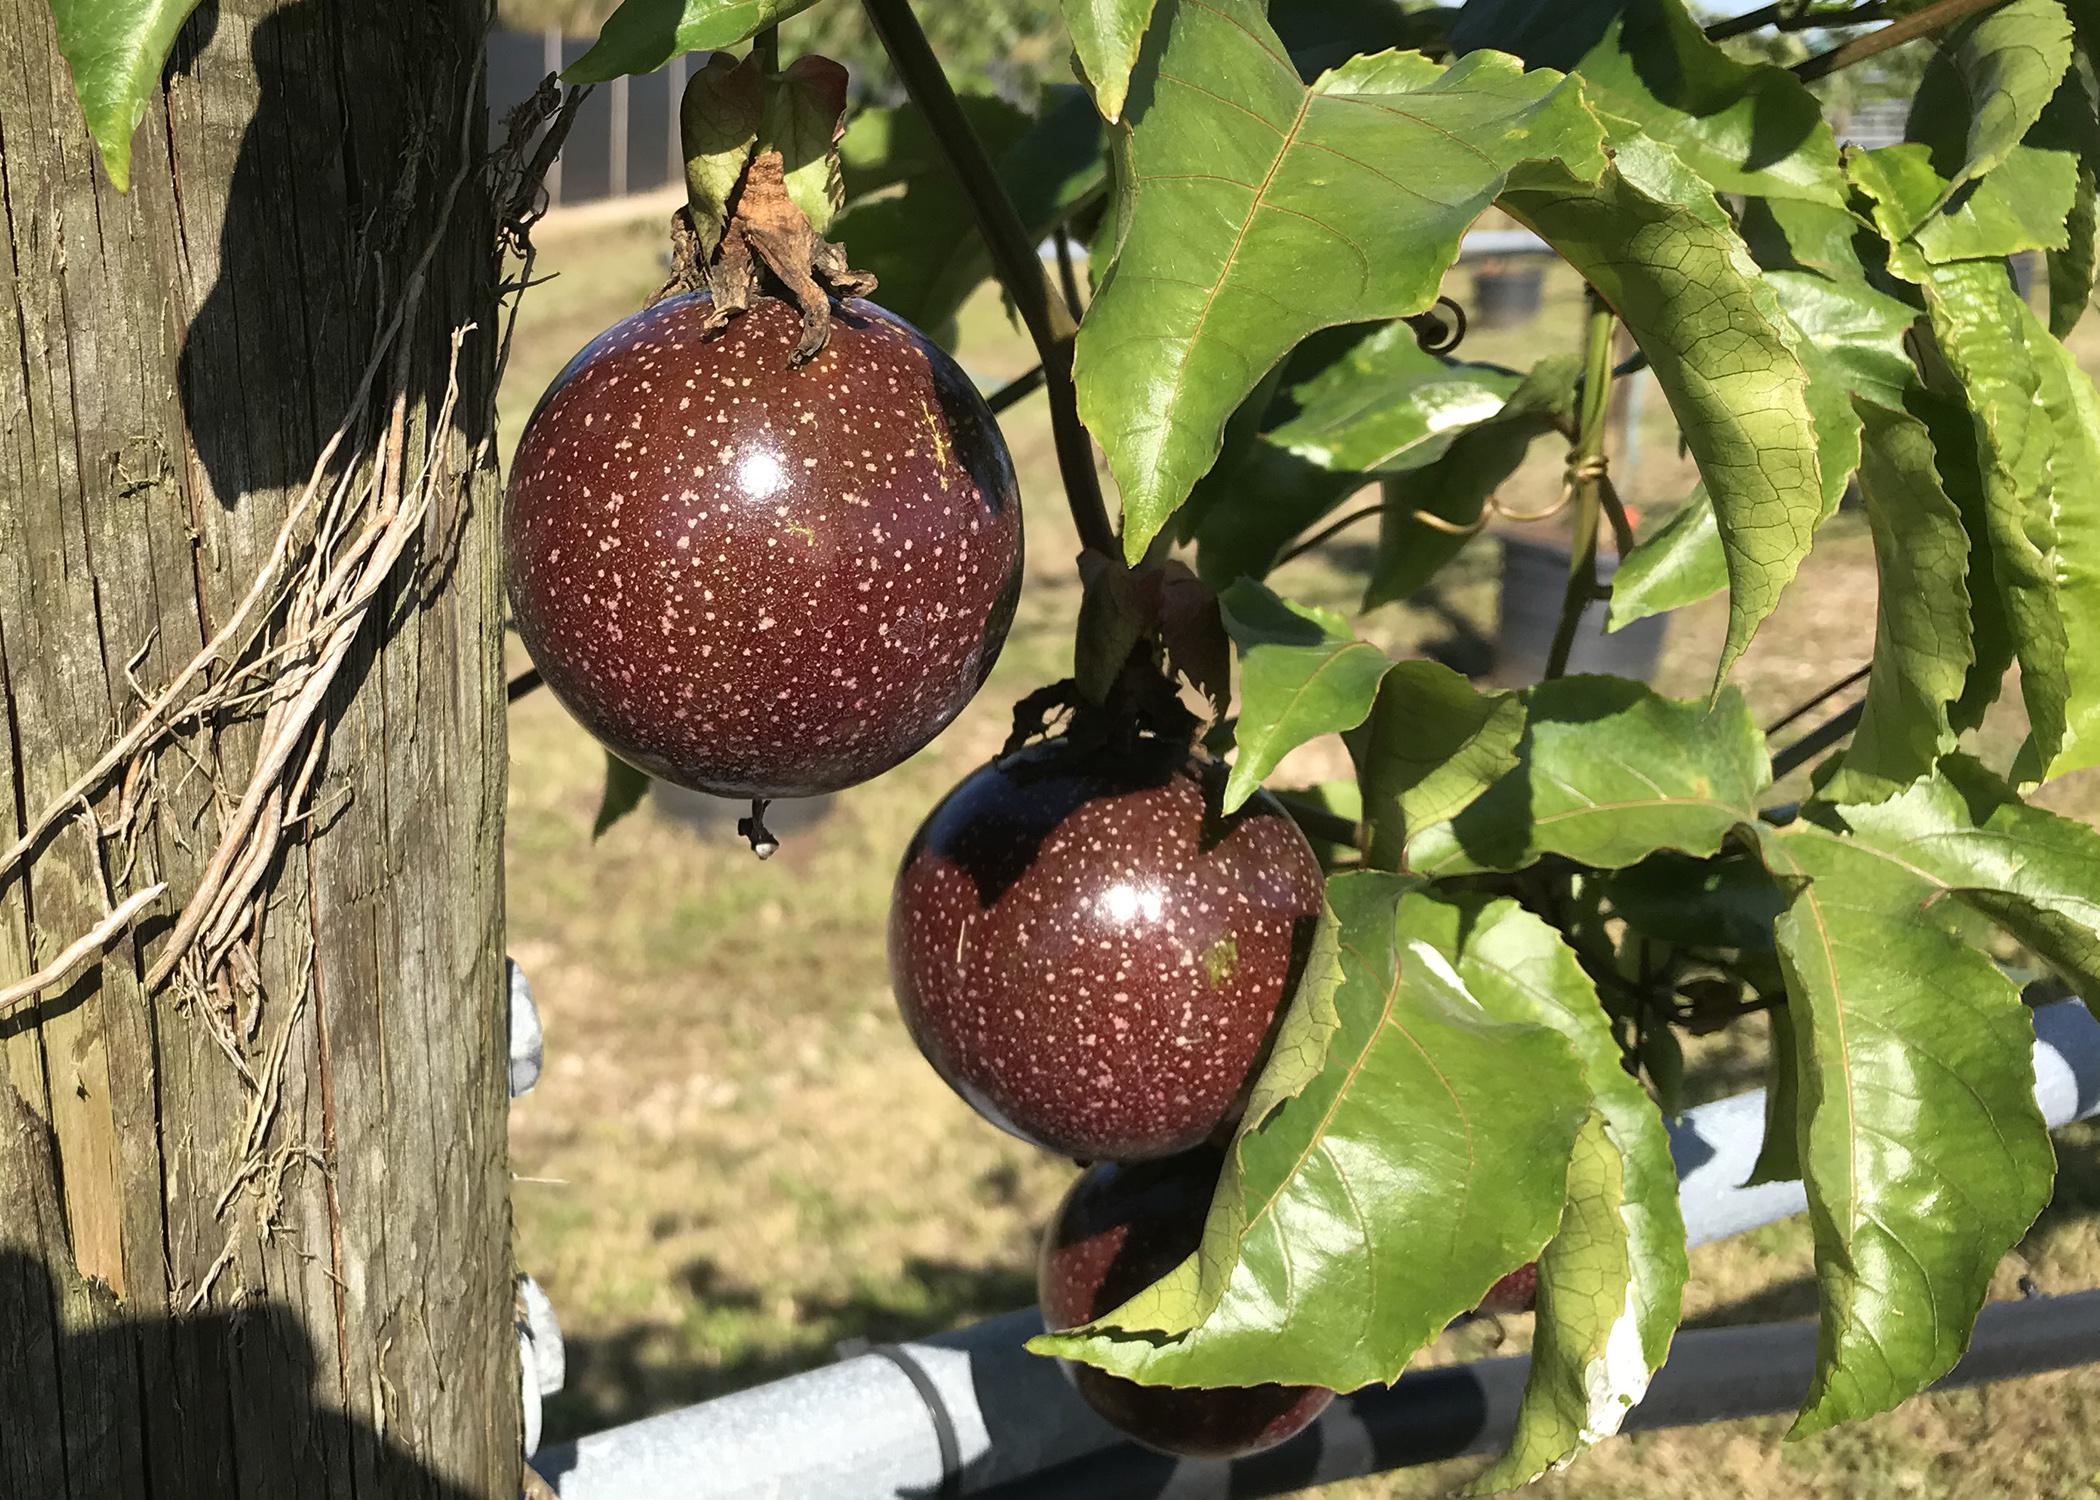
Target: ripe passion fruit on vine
[[1120, 1228], [1091, 954], [758, 577]]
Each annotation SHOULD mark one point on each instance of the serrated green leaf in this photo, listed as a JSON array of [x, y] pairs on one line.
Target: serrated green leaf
[[1744, 127], [2037, 421], [1454, 487], [1922, 651], [1432, 744], [1924, 1152], [1608, 772], [1303, 674], [1654, 242], [642, 35], [805, 114], [2020, 206], [1255, 211], [718, 120], [1106, 35], [1988, 82], [910, 223], [115, 50], [1329, 1258], [2029, 870], [625, 787], [1606, 1315], [2072, 268], [2071, 123], [1376, 405], [1679, 563], [1943, 406], [1586, 1369]]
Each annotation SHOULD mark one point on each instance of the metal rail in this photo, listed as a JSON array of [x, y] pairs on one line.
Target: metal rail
[[972, 1413]]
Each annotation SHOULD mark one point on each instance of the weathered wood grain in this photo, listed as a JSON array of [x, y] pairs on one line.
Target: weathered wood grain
[[171, 361]]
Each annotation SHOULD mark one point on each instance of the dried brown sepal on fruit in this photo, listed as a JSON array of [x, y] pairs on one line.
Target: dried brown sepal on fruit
[[767, 232], [762, 157]]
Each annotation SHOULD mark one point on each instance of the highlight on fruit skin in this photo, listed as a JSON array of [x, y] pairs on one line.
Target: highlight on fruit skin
[[755, 578], [1120, 1228], [1090, 954]]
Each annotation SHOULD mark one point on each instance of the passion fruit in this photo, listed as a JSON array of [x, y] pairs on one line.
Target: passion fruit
[[756, 578], [1091, 954]]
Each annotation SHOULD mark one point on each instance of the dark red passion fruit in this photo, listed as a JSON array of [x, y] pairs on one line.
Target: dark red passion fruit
[[754, 578], [1120, 1228], [1090, 954]]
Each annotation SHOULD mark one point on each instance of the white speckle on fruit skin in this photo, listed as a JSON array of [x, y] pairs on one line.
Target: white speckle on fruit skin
[[768, 527], [1112, 1000]]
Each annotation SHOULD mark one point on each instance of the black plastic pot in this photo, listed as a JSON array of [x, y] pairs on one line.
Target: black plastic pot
[[1534, 582], [1507, 297]]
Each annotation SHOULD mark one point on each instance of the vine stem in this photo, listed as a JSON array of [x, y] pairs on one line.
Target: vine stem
[[1793, 17], [1918, 23], [1586, 478], [1049, 321], [1818, 739]]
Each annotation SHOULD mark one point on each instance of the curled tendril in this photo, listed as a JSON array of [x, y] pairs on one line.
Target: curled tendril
[[1439, 331]]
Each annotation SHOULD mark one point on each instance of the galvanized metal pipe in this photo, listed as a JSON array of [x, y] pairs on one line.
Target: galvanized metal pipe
[[972, 1413]]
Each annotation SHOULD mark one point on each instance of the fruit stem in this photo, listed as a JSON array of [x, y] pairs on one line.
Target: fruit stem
[[755, 832], [1586, 479], [1049, 320]]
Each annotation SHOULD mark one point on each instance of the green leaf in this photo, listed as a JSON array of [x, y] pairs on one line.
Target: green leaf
[[642, 35], [1943, 406], [2072, 123], [1302, 675], [1987, 84], [1586, 1372], [909, 221], [1607, 773], [1379, 405], [2037, 421], [718, 120], [1744, 127], [1652, 239], [1106, 35], [1678, 563], [805, 114], [2029, 870], [1432, 744], [1329, 1258], [1779, 1155], [115, 50], [625, 787], [1922, 651], [1255, 211], [1728, 902], [1323, 34], [2071, 269], [1924, 1152], [1454, 488], [2020, 206], [1611, 1282]]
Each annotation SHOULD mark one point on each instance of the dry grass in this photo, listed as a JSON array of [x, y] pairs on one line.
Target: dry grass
[[737, 1159]]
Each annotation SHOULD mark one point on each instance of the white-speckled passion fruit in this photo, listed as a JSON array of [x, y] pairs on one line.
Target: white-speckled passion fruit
[[754, 578], [1119, 1229], [1090, 954]]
